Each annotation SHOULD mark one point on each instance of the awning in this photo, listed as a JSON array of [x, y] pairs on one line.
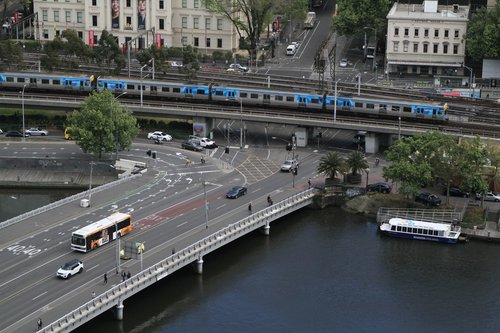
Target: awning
[[418, 63]]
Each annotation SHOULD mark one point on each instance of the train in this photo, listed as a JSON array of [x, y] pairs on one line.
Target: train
[[300, 101]]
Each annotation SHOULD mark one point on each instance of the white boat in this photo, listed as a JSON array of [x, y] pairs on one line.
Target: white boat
[[437, 232]]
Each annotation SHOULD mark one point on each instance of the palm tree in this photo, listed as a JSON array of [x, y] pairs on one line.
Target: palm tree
[[356, 162], [331, 164]]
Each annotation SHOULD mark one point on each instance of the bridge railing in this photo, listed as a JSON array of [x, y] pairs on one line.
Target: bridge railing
[[117, 294], [64, 201]]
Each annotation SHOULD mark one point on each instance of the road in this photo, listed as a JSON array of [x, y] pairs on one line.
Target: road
[[167, 204]]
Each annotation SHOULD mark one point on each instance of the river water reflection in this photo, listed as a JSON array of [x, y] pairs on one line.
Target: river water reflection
[[323, 271]]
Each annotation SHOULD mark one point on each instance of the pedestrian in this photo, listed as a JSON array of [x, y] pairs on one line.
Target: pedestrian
[[93, 294], [377, 161], [39, 323], [128, 275], [250, 208], [309, 182], [269, 201], [105, 278], [202, 159], [124, 276]]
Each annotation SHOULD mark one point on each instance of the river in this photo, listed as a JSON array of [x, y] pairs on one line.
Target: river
[[323, 271]]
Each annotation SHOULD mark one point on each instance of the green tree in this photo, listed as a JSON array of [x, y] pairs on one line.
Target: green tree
[[354, 15], [10, 54], [101, 126], [482, 39], [107, 52], [331, 164], [158, 54], [357, 162]]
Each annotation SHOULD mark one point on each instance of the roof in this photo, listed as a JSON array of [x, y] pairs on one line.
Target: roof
[[428, 11], [421, 224]]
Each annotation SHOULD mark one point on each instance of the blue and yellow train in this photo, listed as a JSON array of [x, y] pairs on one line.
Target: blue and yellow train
[[72, 84]]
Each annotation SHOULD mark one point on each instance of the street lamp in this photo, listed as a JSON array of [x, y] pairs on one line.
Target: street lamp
[[367, 170], [470, 79], [241, 123], [118, 246], [335, 104], [90, 182], [22, 102], [206, 202]]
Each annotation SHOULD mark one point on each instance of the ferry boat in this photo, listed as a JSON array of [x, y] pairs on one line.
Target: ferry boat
[[437, 232]]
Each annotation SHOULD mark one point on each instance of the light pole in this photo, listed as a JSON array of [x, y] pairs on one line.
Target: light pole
[[141, 82], [241, 123], [399, 125], [367, 170], [116, 125], [22, 102], [335, 104], [359, 83], [206, 202], [470, 79], [90, 182], [118, 246]]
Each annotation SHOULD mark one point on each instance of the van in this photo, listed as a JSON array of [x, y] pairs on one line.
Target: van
[[291, 49]]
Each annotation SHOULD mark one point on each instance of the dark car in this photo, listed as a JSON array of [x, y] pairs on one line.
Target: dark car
[[457, 192], [379, 187], [190, 145], [14, 134], [428, 199], [236, 192]]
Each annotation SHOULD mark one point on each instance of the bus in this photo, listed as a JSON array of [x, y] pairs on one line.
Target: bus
[[101, 232]]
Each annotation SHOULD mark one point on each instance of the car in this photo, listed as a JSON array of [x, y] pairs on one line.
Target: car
[[236, 192], [207, 143], [238, 67], [191, 145], [1, 132], [379, 187], [428, 199], [174, 64], [289, 165], [491, 196], [159, 135], [457, 192], [70, 268], [36, 131], [15, 134], [344, 62]]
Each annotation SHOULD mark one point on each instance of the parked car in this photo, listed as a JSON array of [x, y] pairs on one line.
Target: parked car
[[70, 268], [379, 187], [238, 67], [456, 192], [344, 62], [207, 143], [15, 134], [1, 132], [36, 131], [428, 199], [495, 197], [190, 145], [159, 135], [289, 165], [236, 192]]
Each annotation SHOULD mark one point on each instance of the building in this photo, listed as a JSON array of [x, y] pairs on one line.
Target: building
[[426, 38], [172, 23]]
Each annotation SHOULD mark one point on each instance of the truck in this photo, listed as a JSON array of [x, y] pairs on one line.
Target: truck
[[310, 20]]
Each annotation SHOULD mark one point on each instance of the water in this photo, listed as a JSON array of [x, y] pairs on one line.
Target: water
[[323, 271]]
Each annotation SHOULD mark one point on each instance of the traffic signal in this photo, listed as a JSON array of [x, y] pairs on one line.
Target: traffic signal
[[153, 154], [226, 150], [288, 146], [320, 135], [295, 171], [148, 152]]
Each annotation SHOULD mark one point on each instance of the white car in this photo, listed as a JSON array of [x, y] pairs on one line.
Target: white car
[[238, 67], [36, 131], [289, 165], [207, 143], [159, 135], [70, 268], [489, 197], [344, 62]]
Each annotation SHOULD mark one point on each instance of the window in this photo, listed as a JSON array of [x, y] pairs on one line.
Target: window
[[208, 42], [184, 22], [426, 47], [219, 43], [446, 33], [219, 24], [162, 4], [457, 33], [128, 23], [68, 16], [415, 47], [196, 41], [406, 32], [395, 46], [426, 32], [405, 46], [94, 2], [80, 34], [196, 4], [196, 22], [436, 33], [44, 15], [184, 40], [184, 3], [455, 49], [416, 32], [94, 20], [56, 16], [435, 48], [79, 17], [207, 23], [445, 48], [46, 33], [396, 32], [162, 24]]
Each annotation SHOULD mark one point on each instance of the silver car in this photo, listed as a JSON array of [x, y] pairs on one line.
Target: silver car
[[36, 131], [289, 165]]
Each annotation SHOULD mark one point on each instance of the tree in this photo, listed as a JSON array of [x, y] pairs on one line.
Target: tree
[[10, 53], [101, 126], [356, 162], [108, 52], [331, 164], [482, 39], [250, 16], [354, 15]]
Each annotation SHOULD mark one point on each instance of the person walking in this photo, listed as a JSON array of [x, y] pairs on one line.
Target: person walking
[[124, 276], [39, 323], [105, 278], [309, 182], [128, 275], [93, 294], [250, 208]]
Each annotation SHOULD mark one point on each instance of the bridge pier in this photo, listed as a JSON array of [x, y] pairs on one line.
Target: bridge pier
[[203, 126], [265, 229], [198, 266], [119, 311]]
